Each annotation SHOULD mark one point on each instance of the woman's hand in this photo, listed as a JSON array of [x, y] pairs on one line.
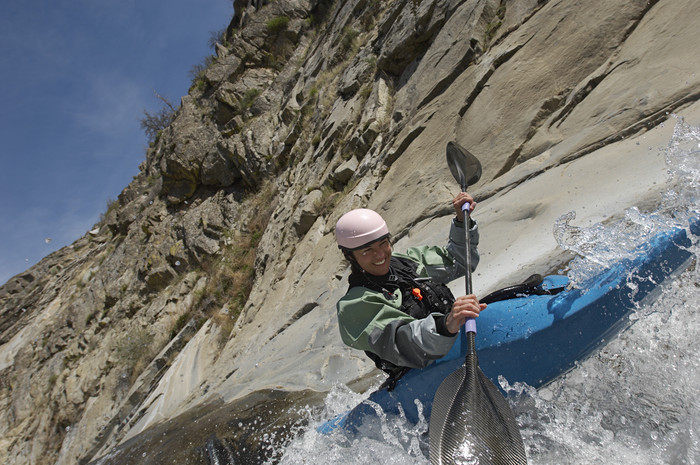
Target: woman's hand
[[466, 306], [460, 200]]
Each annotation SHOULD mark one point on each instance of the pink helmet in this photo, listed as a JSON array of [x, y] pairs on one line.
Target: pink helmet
[[359, 227]]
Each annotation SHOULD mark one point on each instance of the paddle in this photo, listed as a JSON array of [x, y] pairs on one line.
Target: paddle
[[470, 417]]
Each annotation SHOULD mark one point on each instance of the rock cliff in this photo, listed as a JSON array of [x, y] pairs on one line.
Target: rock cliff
[[214, 274]]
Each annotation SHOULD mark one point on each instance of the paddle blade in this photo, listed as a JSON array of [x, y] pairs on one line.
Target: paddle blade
[[464, 166], [471, 420]]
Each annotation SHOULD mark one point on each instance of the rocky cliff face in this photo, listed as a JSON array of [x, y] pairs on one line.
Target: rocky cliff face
[[216, 270]]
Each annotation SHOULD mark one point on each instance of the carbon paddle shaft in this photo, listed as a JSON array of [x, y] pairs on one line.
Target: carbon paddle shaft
[[470, 417]]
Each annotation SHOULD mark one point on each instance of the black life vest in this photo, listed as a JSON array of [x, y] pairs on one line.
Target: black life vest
[[419, 298]]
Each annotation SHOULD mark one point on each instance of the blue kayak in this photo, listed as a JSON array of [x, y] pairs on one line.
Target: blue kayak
[[536, 337]]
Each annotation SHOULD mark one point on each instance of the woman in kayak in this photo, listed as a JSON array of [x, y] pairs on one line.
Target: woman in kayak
[[398, 308]]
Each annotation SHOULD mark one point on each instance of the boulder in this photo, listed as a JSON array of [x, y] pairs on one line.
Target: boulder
[[307, 211]]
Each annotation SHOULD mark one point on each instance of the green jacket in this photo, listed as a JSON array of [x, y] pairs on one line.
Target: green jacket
[[369, 320]]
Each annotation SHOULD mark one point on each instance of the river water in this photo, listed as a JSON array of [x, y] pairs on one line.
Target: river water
[[635, 401]]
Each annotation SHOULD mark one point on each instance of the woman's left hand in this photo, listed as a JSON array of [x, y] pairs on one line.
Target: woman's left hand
[[466, 306]]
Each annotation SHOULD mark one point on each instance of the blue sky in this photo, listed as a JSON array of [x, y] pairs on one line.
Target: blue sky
[[75, 78]]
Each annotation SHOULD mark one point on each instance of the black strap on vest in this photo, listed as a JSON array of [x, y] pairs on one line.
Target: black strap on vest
[[421, 296]]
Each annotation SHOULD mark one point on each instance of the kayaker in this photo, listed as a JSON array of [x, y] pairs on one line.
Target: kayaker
[[398, 308]]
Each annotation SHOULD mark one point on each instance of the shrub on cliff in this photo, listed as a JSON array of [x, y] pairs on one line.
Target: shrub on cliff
[[153, 123]]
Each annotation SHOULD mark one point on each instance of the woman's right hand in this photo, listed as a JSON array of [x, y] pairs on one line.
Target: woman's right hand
[[466, 306]]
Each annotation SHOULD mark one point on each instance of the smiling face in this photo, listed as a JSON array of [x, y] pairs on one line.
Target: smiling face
[[375, 259]]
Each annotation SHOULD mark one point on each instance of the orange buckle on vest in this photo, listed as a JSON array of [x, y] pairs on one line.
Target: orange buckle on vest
[[416, 293]]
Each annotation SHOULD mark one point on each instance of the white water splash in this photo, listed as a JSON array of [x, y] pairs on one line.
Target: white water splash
[[637, 401], [601, 245], [392, 441]]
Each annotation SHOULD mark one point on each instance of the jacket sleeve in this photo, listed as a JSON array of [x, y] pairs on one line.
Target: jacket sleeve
[[413, 344], [370, 321], [445, 264]]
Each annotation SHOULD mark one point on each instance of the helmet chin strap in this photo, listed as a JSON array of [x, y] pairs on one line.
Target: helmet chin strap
[[353, 262]]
